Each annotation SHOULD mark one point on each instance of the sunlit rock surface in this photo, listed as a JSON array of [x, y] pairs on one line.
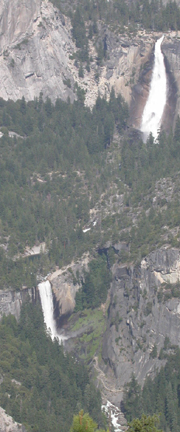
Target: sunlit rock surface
[[35, 55], [7, 424]]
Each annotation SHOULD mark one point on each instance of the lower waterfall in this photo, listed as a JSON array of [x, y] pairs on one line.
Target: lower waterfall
[[153, 111], [46, 297]]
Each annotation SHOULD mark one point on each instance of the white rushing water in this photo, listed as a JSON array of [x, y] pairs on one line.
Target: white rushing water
[[46, 297], [153, 111], [114, 412]]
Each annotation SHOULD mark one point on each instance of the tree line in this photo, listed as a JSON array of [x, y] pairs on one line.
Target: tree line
[[41, 386], [48, 175], [160, 395]]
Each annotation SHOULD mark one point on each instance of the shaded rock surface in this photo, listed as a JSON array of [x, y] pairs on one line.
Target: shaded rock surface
[[139, 318], [11, 301]]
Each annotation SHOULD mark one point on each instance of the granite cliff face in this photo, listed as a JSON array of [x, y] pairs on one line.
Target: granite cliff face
[[16, 21], [171, 50], [36, 48], [142, 313], [7, 424], [65, 284], [35, 55], [34, 51], [11, 301]]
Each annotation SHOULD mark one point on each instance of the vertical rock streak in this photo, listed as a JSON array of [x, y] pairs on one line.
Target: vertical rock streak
[[46, 297], [153, 111]]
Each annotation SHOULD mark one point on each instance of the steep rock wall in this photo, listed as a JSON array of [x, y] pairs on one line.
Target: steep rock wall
[[36, 50], [35, 55], [171, 50], [16, 21], [65, 284], [140, 318], [11, 301]]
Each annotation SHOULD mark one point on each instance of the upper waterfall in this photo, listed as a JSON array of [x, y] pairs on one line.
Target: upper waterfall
[[46, 297], [153, 111]]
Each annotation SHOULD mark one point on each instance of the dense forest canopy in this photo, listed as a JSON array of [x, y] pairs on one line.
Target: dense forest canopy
[[48, 174], [42, 387], [119, 14], [91, 18], [160, 395], [56, 168], [61, 160]]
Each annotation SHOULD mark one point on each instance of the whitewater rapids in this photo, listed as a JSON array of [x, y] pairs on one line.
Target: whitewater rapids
[[154, 108], [46, 297]]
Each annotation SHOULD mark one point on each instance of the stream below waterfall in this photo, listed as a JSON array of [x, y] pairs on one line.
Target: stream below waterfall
[[46, 296], [154, 108]]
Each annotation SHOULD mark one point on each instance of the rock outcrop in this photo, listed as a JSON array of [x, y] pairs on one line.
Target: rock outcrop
[[11, 301], [36, 55], [36, 50], [143, 313], [171, 50], [65, 284], [7, 424]]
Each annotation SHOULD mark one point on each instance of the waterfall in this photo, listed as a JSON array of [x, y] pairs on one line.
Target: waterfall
[[153, 111], [46, 297]]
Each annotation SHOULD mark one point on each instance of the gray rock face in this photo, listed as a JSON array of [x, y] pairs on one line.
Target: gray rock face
[[65, 284], [16, 21], [35, 55], [11, 301], [139, 317], [34, 51], [7, 424], [171, 51]]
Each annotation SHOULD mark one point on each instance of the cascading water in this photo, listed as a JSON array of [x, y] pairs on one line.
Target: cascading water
[[46, 297], [153, 111]]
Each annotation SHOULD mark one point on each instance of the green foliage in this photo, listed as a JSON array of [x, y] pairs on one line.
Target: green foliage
[[132, 403], [141, 166], [160, 395], [88, 342], [81, 72], [154, 352], [148, 309], [144, 424], [95, 285], [117, 14], [42, 387], [47, 174], [168, 291], [79, 34], [84, 423]]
